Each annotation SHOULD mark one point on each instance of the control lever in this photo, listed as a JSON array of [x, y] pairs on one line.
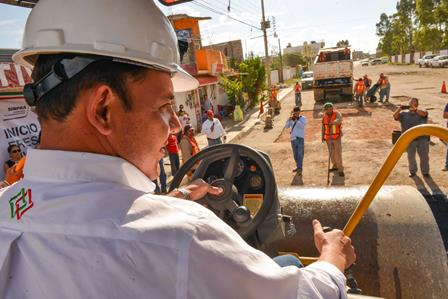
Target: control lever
[[351, 281]]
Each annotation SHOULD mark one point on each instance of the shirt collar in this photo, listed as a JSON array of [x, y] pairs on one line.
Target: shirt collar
[[66, 166]]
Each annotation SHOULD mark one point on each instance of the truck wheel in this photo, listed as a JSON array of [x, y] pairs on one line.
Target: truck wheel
[[318, 95]]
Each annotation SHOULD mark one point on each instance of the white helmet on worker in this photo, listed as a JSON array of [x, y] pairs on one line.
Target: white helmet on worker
[[133, 32]]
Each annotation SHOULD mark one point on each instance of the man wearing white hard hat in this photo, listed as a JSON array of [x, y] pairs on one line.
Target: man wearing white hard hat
[[83, 223]]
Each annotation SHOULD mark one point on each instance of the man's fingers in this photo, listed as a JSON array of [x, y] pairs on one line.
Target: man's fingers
[[215, 190], [317, 227]]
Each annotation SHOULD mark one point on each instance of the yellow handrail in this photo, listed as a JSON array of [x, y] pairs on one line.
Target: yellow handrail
[[395, 154]]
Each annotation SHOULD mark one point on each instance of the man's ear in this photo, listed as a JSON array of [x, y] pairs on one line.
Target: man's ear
[[99, 108]]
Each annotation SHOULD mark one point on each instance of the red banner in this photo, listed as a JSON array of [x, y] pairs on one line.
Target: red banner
[[13, 75]]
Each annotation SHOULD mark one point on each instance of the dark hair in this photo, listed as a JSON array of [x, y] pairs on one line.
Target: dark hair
[[186, 129], [58, 103], [11, 146], [415, 99], [296, 109]]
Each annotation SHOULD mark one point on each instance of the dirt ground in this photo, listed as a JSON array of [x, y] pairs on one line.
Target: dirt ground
[[367, 134]]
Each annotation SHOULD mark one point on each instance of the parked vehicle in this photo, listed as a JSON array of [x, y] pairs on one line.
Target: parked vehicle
[[365, 62], [424, 61], [307, 80], [376, 61], [439, 61], [333, 73]]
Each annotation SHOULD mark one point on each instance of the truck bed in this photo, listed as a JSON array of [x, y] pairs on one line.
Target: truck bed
[[333, 69]]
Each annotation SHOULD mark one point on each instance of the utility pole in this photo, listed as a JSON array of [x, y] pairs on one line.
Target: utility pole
[[265, 25], [281, 61], [280, 72]]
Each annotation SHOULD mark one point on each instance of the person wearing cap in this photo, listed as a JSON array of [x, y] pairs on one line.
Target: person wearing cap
[[332, 134], [213, 129], [84, 222], [297, 125], [188, 144]]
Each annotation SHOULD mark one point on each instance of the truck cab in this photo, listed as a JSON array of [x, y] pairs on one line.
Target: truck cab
[[333, 75]]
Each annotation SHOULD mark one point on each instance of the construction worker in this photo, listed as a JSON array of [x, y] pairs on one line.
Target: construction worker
[[298, 94], [367, 82], [384, 84], [360, 89], [84, 222], [332, 134]]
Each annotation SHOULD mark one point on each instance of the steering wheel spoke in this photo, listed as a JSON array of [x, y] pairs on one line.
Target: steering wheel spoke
[[199, 173], [232, 165]]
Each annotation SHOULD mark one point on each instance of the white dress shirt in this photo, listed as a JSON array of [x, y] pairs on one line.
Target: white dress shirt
[[83, 225], [218, 130], [298, 129]]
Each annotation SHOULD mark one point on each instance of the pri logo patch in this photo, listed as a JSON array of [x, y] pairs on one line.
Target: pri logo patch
[[20, 203]]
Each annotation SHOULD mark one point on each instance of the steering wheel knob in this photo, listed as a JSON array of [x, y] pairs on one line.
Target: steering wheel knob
[[241, 215], [228, 191]]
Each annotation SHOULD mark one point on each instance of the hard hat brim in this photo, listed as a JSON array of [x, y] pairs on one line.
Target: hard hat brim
[[182, 81]]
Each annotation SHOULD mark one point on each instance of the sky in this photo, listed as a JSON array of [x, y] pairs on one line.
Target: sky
[[296, 21]]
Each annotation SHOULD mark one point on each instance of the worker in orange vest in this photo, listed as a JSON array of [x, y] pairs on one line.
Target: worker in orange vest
[[298, 94], [360, 89], [331, 134], [384, 83]]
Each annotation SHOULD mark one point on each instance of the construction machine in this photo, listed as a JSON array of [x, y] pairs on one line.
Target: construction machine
[[399, 247]]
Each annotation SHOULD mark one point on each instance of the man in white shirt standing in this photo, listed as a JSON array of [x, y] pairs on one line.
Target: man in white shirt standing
[[297, 125], [212, 127], [83, 222]]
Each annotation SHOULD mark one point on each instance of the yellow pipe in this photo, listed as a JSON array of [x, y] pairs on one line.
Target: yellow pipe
[[395, 154]]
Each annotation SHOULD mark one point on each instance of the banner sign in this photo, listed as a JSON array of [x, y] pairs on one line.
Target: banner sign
[[18, 125], [13, 75]]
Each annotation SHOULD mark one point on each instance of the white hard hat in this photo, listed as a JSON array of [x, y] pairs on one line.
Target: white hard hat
[[132, 30]]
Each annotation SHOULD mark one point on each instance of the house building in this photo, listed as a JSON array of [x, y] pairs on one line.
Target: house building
[[205, 64]]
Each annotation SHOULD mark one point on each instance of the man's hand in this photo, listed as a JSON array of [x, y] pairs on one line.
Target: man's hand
[[198, 189], [334, 247]]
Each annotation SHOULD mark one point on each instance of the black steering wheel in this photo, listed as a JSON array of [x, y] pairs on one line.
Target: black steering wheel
[[230, 199]]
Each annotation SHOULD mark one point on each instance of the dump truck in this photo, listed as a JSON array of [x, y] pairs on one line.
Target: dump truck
[[333, 75]]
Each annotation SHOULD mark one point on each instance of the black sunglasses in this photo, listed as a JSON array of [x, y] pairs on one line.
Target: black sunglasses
[[16, 151]]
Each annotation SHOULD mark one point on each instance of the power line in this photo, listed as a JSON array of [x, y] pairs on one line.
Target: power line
[[205, 6]]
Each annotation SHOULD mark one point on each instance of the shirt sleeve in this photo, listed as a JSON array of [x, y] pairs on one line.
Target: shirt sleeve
[[288, 124], [223, 132], [240, 271], [338, 119], [446, 108]]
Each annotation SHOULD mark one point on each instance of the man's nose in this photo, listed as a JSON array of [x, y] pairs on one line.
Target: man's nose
[[174, 123]]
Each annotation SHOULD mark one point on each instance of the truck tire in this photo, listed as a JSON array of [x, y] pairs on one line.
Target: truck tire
[[347, 93], [318, 95]]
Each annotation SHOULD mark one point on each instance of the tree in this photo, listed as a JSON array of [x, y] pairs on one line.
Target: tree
[[384, 31], [294, 59], [251, 80], [429, 33], [342, 43], [233, 88], [254, 78]]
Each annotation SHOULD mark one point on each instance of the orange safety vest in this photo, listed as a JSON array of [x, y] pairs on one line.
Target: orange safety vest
[[335, 129], [360, 87]]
